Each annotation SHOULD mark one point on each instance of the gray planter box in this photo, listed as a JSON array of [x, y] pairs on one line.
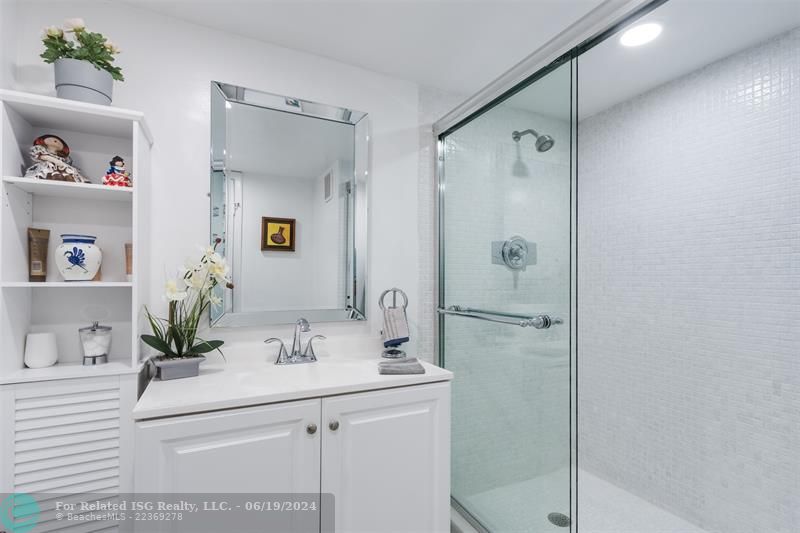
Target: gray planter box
[[80, 80], [188, 367]]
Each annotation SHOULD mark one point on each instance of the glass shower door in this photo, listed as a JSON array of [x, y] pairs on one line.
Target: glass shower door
[[504, 304]]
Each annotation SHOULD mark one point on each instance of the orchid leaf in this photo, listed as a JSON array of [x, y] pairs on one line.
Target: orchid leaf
[[206, 346], [155, 324], [177, 339], [158, 344]]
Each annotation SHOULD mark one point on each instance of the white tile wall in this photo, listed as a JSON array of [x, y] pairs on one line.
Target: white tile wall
[[689, 293], [433, 104]]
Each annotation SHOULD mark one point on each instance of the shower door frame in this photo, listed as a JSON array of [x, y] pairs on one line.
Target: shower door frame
[[589, 31]]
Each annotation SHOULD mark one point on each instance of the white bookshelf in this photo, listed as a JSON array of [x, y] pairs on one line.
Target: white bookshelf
[[115, 215]]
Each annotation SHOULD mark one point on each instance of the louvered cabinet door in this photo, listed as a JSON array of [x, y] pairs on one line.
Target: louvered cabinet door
[[67, 437]]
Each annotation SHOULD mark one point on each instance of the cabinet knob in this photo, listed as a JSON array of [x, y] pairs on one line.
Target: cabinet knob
[[311, 429], [334, 425]]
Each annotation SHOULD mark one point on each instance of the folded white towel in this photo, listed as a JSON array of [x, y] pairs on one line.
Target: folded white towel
[[408, 365]]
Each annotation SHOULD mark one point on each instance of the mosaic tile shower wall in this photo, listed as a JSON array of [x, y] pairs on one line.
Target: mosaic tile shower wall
[[689, 293]]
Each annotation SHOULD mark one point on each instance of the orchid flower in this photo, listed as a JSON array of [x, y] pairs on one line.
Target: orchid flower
[[173, 293]]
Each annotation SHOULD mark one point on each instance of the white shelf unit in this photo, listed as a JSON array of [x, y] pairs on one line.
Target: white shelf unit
[[63, 189], [115, 215], [70, 284]]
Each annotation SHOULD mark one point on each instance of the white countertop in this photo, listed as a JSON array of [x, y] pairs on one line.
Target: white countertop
[[240, 384]]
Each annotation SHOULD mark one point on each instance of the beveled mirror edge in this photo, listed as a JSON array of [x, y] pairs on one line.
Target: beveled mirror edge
[[288, 104], [357, 268]]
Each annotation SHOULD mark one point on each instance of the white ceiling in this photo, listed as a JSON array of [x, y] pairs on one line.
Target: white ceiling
[[462, 45], [457, 45], [263, 141], [695, 33]]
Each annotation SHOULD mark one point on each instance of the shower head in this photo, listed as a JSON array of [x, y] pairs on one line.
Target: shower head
[[543, 142]]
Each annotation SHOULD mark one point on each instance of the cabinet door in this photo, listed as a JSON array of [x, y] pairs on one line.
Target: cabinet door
[[67, 437], [388, 461], [257, 449]]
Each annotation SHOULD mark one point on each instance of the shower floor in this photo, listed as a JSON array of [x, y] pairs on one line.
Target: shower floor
[[603, 508]]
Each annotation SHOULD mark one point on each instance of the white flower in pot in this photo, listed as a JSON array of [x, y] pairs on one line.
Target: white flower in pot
[[189, 297], [83, 61]]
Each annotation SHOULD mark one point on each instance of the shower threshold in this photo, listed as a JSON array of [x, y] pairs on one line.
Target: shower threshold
[[602, 508]]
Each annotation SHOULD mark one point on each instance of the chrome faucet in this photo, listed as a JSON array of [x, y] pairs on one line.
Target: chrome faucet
[[301, 326], [297, 355]]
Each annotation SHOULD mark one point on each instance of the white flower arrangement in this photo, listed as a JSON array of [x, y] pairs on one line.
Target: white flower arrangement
[[188, 297], [81, 44]]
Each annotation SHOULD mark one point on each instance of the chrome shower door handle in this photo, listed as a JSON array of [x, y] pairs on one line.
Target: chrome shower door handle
[[514, 319], [541, 322]]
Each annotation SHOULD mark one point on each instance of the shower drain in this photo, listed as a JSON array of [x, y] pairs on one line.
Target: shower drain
[[558, 519]]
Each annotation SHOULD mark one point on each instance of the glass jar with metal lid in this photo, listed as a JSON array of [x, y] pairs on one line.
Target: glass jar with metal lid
[[96, 342]]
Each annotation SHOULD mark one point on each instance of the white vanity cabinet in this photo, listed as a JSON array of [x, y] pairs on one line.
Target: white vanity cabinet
[[387, 462], [254, 449], [384, 455]]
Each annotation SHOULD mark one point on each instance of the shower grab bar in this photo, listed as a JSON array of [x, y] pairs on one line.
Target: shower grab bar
[[524, 321]]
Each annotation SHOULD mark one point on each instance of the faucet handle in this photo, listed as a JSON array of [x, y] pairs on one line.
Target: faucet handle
[[309, 351], [283, 355]]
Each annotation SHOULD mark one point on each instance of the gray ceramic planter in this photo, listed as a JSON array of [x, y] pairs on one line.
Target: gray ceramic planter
[[176, 368], [80, 80]]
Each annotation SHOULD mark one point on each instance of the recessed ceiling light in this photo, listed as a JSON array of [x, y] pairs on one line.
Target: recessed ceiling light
[[641, 34]]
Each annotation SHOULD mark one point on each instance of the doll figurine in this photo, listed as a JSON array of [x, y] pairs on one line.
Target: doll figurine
[[116, 175], [51, 161]]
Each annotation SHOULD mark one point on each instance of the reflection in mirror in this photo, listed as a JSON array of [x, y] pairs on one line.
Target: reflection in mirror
[[289, 204]]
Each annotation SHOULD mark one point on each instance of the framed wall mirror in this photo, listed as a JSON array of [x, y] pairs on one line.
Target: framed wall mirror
[[289, 207]]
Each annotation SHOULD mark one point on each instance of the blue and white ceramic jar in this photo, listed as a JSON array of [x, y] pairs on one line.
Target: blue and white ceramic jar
[[77, 257]]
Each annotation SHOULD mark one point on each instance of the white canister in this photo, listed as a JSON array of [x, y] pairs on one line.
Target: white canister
[[41, 350], [77, 257]]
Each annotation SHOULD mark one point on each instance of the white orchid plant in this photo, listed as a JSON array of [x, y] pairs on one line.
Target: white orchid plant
[[84, 45], [188, 297]]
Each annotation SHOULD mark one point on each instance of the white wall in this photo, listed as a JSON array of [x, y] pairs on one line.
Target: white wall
[[168, 65], [689, 324], [8, 38]]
